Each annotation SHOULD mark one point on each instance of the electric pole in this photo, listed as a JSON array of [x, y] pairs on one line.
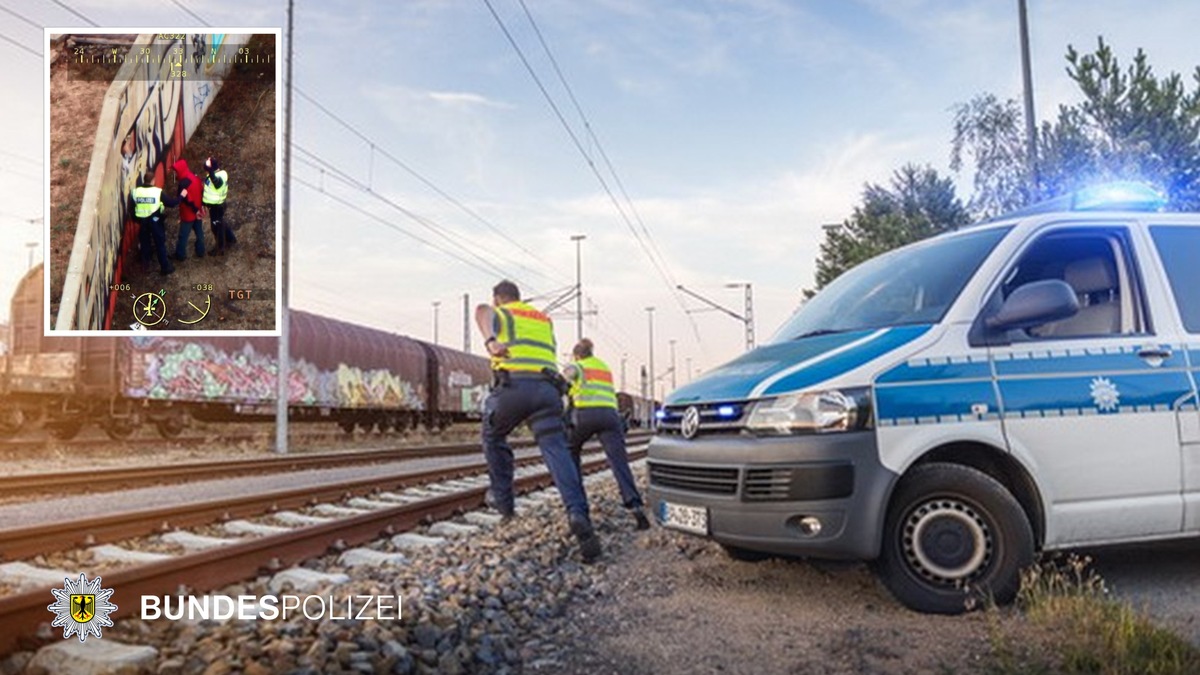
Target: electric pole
[[1030, 123], [650, 316], [282, 390], [747, 319], [673, 385], [467, 322], [436, 305], [578, 238]]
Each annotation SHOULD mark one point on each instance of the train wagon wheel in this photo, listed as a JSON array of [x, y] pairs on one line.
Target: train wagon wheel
[[64, 430], [11, 421], [120, 429], [347, 424], [170, 426]]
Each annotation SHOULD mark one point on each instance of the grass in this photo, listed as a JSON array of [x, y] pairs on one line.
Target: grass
[[1076, 628]]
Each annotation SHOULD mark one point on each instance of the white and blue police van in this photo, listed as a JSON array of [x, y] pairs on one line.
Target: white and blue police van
[[951, 407]]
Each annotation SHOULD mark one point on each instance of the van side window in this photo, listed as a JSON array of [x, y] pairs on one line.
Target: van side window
[[1098, 267], [1179, 248]]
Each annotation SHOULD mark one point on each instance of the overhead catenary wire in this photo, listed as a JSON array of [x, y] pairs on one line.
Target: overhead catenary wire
[[355, 207], [23, 158], [426, 222], [478, 263], [666, 277], [377, 148], [13, 42], [442, 231], [22, 17], [591, 132], [70, 9], [189, 12]]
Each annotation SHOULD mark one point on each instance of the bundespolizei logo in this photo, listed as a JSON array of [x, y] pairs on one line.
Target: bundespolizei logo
[[82, 607]]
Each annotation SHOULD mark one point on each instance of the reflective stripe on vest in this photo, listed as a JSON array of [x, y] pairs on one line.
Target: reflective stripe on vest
[[147, 201], [216, 195], [529, 336], [593, 385]]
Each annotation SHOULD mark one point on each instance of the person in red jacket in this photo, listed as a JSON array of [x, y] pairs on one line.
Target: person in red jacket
[[190, 210]]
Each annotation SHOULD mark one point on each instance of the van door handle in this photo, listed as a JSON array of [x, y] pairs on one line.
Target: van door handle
[[1160, 353]]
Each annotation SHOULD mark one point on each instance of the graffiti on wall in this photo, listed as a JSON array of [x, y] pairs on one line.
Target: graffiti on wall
[[172, 370], [147, 117]]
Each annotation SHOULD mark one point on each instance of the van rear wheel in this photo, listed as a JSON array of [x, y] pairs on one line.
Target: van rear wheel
[[954, 538]]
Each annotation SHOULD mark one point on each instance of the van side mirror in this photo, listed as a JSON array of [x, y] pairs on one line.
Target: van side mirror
[[1034, 304]]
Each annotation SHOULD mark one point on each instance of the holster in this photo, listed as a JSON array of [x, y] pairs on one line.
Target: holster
[[560, 383], [500, 378]]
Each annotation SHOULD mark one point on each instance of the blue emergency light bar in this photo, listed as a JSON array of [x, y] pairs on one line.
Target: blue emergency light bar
[[1115, 196]]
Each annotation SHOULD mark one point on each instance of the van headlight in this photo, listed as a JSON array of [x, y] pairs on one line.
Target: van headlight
[[812, 412]]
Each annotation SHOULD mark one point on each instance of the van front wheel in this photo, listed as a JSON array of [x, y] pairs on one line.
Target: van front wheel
[[954, 538]]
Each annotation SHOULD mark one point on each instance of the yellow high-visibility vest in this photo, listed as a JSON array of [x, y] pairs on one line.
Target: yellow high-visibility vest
[[216, 195], [593, 385], [529, 336], [147, 201]]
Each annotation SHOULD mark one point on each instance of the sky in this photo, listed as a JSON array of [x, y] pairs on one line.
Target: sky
[[736, 128]]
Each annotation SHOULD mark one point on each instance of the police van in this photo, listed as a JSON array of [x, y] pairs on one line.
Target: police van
[[953, 406]]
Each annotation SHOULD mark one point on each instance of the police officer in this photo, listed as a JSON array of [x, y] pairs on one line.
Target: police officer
[[216, 190], [520, 340], [594, 413], [149, 209]]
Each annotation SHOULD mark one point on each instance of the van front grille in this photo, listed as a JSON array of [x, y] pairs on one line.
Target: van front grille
[[709, 480]]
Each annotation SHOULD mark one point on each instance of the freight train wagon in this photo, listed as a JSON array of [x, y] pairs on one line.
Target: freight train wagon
[[355, 376]]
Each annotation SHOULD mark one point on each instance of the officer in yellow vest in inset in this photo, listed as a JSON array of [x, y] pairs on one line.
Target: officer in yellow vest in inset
[[594, 413], [216, 191], [148, 205], [526, 388]]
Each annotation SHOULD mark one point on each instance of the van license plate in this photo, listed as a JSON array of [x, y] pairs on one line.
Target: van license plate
[[682, 517]]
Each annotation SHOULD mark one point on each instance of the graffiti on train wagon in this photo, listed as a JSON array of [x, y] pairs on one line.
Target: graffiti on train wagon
[[473, 398], [178, 371], [358, 388], [192, 371]]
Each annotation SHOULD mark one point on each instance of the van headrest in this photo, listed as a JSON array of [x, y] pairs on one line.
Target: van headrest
[[1090, 275]]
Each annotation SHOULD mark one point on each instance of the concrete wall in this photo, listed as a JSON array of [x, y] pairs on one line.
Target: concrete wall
[[147, 118]]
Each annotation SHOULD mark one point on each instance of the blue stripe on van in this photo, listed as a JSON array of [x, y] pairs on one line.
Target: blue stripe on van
[[935, 403], [847, 360], [1092, 394]]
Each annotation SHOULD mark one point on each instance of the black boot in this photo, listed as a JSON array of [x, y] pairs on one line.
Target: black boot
[[643, 523], [506, 512], [589, 543]]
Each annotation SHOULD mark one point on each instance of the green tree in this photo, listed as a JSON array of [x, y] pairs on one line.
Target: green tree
[[917, 204], [1129, 125]]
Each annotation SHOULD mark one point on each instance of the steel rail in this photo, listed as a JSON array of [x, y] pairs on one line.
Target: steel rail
[[23, 615], [99, 480]]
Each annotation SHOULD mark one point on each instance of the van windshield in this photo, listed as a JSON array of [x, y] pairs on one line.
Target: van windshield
[[911, 285]]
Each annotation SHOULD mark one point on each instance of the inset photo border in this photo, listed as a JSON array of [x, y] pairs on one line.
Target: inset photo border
[[183, 126]]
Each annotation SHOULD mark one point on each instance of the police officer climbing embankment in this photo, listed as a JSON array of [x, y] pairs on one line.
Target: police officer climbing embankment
[[148, 205], [526, 388], [216, 191], [594, 413]]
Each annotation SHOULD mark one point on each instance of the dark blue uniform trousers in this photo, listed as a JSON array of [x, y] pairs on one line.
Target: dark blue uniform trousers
[[606, 423], [152, 232], [536, 400]]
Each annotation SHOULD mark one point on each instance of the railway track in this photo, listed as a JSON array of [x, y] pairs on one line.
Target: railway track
[[21, 445], [99, 480], [22, 614]]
